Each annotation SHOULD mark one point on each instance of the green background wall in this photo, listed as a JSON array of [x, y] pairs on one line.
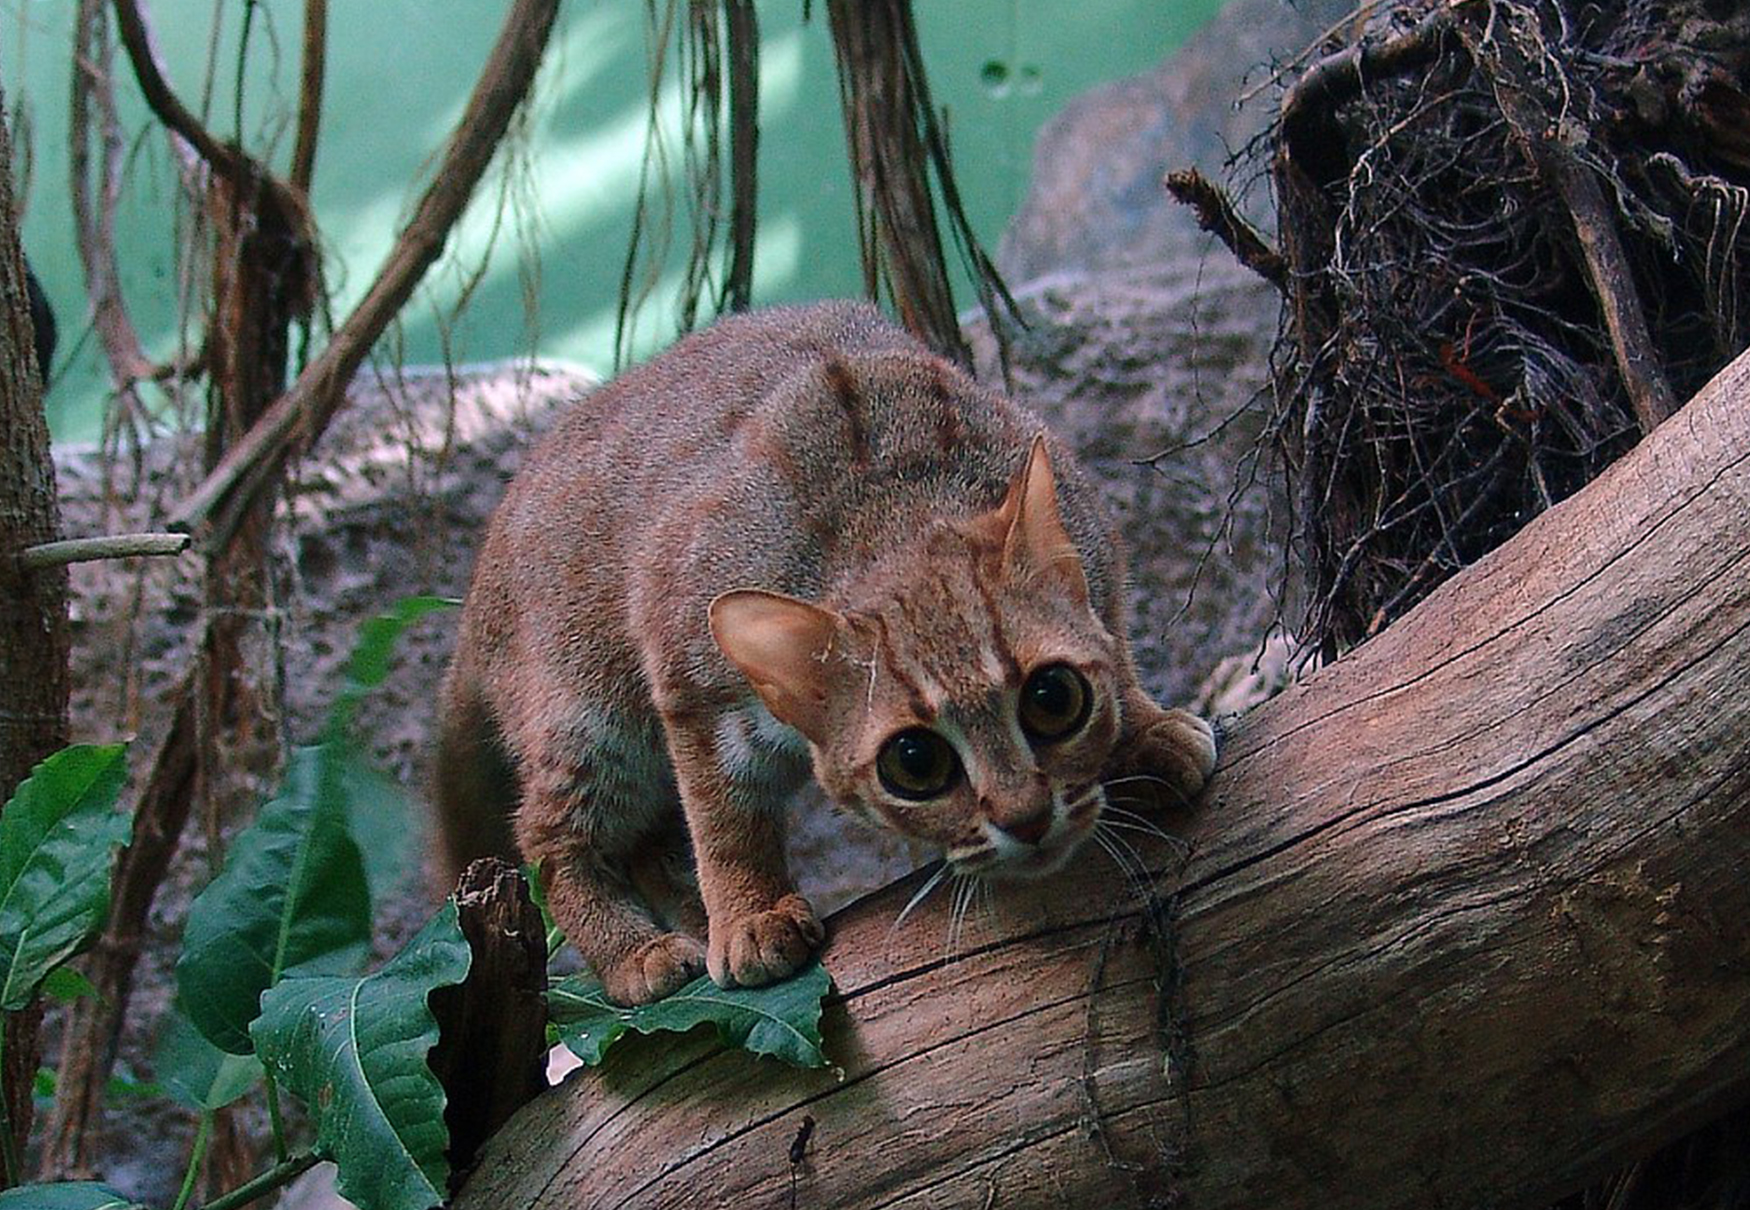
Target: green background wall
[[399, 72]]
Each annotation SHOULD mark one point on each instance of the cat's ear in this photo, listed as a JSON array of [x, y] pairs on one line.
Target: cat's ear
[[782, 646], [1035, 544]]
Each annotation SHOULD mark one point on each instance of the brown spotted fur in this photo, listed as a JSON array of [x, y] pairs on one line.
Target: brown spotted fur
[[878, 542]]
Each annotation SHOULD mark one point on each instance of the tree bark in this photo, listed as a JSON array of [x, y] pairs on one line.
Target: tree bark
[[491, 1055], [33, 603], [1465, 924]]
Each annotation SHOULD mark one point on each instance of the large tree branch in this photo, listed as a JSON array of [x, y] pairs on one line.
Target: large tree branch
[[299, 416], [1465, 924]]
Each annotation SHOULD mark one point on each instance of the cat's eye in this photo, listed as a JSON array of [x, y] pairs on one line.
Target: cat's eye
[[917, 764], [1055, 702]]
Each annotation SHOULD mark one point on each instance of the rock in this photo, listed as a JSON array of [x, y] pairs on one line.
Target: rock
[[1095, 200]]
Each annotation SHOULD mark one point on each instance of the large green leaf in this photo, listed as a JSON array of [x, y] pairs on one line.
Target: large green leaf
[[294, 894], [195, 1073], [66, 1195], [383, 822], [354, 1050], [782, 1019], [58, 839], [291, 896]]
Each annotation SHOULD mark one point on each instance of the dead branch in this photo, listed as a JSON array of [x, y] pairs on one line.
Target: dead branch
[[1464, 924], [94, 219], [1342, 75], [297, 419], [110, 546], [1553, 142], [160, 813], [1216, 215], [224, 158], [742, 39], [895, 142], [491, 1055]]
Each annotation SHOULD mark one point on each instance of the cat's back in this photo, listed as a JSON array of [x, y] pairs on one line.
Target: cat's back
[[657, 421], [821, 410]]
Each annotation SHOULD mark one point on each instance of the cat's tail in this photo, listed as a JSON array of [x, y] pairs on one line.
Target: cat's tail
[[474, 786]]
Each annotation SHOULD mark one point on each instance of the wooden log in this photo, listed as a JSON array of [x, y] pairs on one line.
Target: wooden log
[[1466, 923]]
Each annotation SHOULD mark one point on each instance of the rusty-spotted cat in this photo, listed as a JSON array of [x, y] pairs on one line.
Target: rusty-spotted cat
[[796, 539]]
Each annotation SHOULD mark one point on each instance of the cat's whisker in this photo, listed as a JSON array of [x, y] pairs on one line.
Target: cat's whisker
[[1128, 778], [1173, 791], [965, 886], [1119, 817], [922, 893], [1173, 842], [1134, 869], [1123, 842]]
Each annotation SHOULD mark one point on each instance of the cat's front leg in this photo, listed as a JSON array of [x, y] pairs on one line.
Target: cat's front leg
[[760, 928], [1163, 756]]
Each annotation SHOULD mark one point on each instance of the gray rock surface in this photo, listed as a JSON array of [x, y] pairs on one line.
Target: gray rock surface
[[1095, 199]]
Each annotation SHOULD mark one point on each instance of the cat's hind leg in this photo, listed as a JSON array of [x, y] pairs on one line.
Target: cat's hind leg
[[1162, 757], [587, 851], [473, 786]]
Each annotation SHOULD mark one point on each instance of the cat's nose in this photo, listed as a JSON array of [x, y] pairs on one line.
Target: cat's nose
[[1031, 830]]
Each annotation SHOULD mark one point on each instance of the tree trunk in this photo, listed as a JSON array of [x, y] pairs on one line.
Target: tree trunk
[[33, 604], [1465, 924]]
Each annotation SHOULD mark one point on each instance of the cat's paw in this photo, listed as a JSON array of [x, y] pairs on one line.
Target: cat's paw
[[660, 966], [1168, 760], [763, 947]]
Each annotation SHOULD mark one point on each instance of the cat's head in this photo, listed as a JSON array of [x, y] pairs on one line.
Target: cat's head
[[968, 696]]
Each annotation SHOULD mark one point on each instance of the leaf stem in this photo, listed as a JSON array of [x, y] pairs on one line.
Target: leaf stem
[[282, 1173], [14, 1167], [196, 1155], [273, 1117]]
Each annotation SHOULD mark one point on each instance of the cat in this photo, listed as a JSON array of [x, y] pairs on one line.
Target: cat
[[797, 538]]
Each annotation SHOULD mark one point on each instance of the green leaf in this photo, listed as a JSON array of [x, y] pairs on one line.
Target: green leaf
[[67, 985], [383, 822], [782, 1019], [354, 1050], [195, 1073], [58, 839], [66, 1195], [369, 664], [291, 897], [294, 894]]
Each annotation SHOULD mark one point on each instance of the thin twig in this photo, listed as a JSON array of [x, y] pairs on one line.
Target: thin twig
[[310, 94], [281, 1174], [109, 546], [94, 217], [1216, 214], [743, 45], [1338, 77], [225, 159]]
